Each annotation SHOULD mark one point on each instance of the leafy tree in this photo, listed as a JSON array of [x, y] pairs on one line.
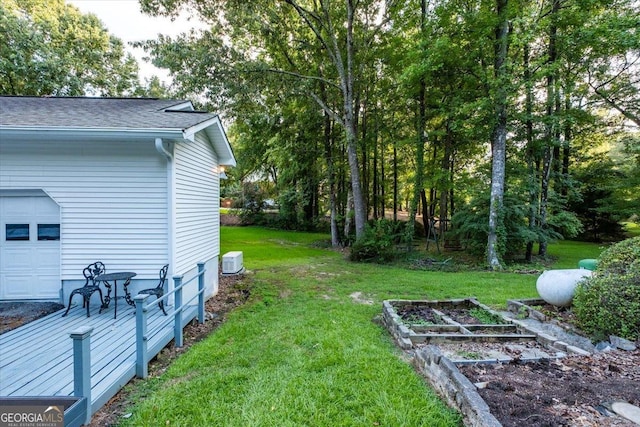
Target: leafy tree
[[613, 60], [416, 94], [315, 47], [49, 48]]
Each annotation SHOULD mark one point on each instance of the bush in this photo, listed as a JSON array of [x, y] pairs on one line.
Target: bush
[[608, 303], [470, 225], [378, 244]]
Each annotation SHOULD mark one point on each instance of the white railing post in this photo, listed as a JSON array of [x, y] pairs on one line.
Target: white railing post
[[177, 322], [201, 292], [142, 368], [82, 366]]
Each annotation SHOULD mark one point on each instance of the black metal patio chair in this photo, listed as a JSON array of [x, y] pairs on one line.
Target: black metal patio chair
[[158, 291], [90, 273]]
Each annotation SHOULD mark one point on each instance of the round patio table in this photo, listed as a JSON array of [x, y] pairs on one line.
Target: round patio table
[[115, 277]]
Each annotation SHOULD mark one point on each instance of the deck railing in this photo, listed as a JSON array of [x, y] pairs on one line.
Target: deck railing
[[143, 353], [181, 316]]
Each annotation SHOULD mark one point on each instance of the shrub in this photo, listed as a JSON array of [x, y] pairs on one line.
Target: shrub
[[378, 244], [608, 303], [470, 225]]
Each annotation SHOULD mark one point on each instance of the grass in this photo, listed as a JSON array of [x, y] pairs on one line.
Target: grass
[[569, 253], [304, 351]]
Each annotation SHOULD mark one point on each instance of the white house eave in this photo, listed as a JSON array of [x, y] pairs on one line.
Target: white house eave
[[212, 127], [89, 133], [217, 136]]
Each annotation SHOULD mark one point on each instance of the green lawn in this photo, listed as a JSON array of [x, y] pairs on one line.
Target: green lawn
[[304, 352], [569, 253]]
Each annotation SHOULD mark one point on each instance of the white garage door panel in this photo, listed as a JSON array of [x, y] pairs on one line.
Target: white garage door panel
[[49, 257], [29, 269], [16, 259], [18, 286]]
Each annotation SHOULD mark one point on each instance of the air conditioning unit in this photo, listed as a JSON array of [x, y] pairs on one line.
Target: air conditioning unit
[[232, 262]]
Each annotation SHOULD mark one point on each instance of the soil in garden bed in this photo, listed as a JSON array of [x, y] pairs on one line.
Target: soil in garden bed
[[487, 350], [573, 391], [419, 315], [466, 316], [425, 315]]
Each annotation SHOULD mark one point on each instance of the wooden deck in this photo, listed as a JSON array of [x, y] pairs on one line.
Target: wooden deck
[[37, 358]]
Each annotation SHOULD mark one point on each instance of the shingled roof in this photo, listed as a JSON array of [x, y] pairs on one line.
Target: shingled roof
[[99, 113]]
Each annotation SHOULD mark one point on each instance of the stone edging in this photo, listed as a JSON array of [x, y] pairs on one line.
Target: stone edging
[[451, 384]]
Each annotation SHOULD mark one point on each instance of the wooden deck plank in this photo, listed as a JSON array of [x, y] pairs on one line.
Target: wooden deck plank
[[25, 357], [51, 329], [37, 359]]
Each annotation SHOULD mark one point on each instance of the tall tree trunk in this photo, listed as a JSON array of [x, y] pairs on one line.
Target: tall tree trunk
[[359, 206], [566, 147], [382, 178], [499, 142], [531, 153], [375, 177], [445, 181], [362, 115], [452, 207], [425, 212], [395, 179], [420, 141], [348, 214], [550, 129], [331, 179], [433, 191], [418, 184]]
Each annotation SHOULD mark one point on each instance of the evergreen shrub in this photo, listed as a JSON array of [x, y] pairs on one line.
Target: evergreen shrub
[[608, 303], [378, 244]]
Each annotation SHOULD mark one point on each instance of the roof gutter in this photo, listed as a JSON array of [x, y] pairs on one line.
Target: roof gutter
[[93, 133], [162, 150]]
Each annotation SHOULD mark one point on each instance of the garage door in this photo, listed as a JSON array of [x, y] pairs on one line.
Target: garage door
[[29, 246]]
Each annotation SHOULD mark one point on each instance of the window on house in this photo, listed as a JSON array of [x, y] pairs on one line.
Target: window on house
[[17, 232], [48, 231]]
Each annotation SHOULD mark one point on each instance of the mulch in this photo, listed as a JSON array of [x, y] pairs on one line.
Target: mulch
[[573, 391]]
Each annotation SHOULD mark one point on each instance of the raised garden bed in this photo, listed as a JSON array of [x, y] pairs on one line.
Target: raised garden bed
[[416, 323], [508, 374]]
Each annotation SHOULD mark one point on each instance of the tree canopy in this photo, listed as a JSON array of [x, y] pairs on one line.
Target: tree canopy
[[48, 47], [486, 116]]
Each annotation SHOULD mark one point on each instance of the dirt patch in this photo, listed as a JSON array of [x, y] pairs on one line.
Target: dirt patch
[[233, 291], [15, 314], [573, 391], [359, 298], [568, 391]]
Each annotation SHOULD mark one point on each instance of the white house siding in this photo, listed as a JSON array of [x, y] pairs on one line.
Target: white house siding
[[112, 197], [196, 209]]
